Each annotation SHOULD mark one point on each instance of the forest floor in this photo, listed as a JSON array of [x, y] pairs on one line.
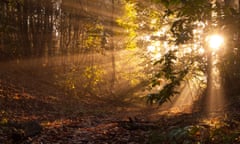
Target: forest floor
[[33, 110]]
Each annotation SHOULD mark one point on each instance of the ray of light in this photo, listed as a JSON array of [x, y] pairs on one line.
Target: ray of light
[[215, 97], [189, 93]]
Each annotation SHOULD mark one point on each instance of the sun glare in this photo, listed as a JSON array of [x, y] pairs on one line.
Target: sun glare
[[215, 41], [151, 48]]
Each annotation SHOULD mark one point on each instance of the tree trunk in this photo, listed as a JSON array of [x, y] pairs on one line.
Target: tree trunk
[[113, 51]]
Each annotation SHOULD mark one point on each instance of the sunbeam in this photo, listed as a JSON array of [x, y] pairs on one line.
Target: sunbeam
[[215, 94], [189, 93]]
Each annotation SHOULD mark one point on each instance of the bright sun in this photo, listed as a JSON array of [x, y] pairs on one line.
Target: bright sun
[[215, 41]]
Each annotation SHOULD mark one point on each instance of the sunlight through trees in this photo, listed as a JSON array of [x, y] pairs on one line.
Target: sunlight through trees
[[119, 71]]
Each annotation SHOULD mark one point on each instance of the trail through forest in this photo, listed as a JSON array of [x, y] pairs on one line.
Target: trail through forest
[[34, 110], [28, 93]]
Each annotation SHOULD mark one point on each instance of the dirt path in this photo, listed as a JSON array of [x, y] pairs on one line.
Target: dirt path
[[28, 93]]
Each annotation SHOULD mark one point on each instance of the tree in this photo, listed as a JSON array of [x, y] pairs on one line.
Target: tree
[[174, 32], [216, 17]]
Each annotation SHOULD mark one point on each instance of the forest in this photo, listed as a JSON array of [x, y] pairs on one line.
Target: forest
[[119, 71]]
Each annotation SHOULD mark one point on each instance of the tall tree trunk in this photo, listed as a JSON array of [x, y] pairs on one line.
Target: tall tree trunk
[[25, 29], [113, 50]]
